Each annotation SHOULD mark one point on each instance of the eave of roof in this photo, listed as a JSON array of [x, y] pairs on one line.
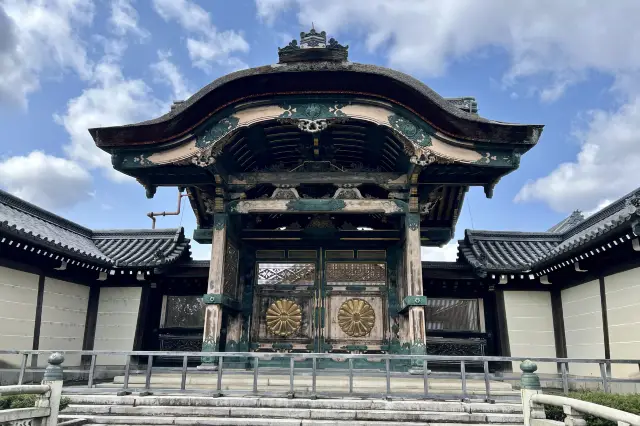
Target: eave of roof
[[175, 124], [139, 249], [502, 251]]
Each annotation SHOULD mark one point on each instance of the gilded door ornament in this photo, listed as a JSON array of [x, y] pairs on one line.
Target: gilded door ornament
[[356, 317], [284, 317]]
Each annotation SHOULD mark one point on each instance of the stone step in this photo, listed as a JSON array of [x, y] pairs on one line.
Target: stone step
[[297, 403], [233, 380], [279, 422], [399, 419], [296, 413]]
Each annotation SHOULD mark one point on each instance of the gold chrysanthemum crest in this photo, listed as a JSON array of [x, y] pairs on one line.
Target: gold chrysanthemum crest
[[356, 317], [284, 317]]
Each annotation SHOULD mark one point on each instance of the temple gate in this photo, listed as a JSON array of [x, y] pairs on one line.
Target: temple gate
[[317, 181]]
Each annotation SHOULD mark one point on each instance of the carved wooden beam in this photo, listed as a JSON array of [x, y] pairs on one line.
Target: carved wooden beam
[[388, 180], [324, 205]]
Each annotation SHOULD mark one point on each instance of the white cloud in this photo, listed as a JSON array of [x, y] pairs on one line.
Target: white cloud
[[40, 38], [111, 99], [209, 46], [605, 168], [58, 182], [166, 72], [553, 40], [124, 19], [447, 253]]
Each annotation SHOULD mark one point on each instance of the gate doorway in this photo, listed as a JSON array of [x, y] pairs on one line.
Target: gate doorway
[[320, 300]]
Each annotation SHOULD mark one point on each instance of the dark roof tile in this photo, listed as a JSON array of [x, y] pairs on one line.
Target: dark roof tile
[[136, 248]]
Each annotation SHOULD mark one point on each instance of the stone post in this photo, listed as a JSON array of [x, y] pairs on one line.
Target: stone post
[[213, 298], [52, 378], [414, 293], [530, 385]]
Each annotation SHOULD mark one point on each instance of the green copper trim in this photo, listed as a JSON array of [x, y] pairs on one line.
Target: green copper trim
[[322, 205], [313, 111], [418, 133], [352, 348], [411, 301], [529, 378], [403, 206], [137, 160], [413, 221], [209, 345], [221, 299], [216, 131], [219, 221], [282, 346], [509, 159]]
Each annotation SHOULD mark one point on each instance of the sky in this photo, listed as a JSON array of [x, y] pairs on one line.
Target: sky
[[572, 65]]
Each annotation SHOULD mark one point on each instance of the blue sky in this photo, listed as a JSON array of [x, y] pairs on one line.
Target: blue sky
[[66, 65]]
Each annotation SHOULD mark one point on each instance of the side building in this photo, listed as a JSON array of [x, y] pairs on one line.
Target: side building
[[572, 291]]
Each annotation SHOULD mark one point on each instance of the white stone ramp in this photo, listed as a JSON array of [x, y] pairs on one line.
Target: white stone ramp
[[183, 410]]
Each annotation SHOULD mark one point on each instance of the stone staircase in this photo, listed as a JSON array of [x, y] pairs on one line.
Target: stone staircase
[[259, 411], [277, 384]]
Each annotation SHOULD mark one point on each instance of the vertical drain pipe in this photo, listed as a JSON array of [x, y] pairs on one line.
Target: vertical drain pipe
[[152, 215]]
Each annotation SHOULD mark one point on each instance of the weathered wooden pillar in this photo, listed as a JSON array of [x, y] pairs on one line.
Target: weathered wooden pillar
[[414, 300], [215, 285]]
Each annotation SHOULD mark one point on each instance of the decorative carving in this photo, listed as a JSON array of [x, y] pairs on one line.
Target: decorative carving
[[348, 194], [356, 273], [204, 159], [285, 193], [209, 203], [321, 221], [413, 221], [456, 348], [633, 201], [219, 222], [209, 344], [217, 131], [356, 317], [284, 317], [322, 205], [313, 117], [230, 280], [286, 273], [410, 130], [468, 104]]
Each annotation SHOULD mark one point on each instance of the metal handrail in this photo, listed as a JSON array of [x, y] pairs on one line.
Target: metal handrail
[[256, 362], [587, 408]]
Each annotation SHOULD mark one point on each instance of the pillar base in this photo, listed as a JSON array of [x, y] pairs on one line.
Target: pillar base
[[207, 367], [418, 371]]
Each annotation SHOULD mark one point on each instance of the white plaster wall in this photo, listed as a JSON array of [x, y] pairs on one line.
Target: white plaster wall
[[582, 312], [64, 313], [117, 318], [623, 312], [18, 298], [530, 327]]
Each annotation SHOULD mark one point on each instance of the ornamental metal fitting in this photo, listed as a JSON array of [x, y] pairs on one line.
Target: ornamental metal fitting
[[529, 379], [53, 372]]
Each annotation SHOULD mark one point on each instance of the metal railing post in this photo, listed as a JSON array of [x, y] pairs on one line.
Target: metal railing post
[[92, 371], [605, 381], [219, 381], [487, 383], [183, 378], [388, 375], [291, 373], [23, 367], [350, 376], [256, 360], [565, 378], [463, 378], [147, 377], [425, 378], [314, 367]]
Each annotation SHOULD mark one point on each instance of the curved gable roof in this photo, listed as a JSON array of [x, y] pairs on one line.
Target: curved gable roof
[[315, 77]]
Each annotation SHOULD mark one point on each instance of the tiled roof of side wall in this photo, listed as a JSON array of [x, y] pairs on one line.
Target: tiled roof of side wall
[[139, 248], [524, 251]]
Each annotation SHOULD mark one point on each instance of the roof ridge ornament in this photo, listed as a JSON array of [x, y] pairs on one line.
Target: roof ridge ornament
[[313, 46]]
